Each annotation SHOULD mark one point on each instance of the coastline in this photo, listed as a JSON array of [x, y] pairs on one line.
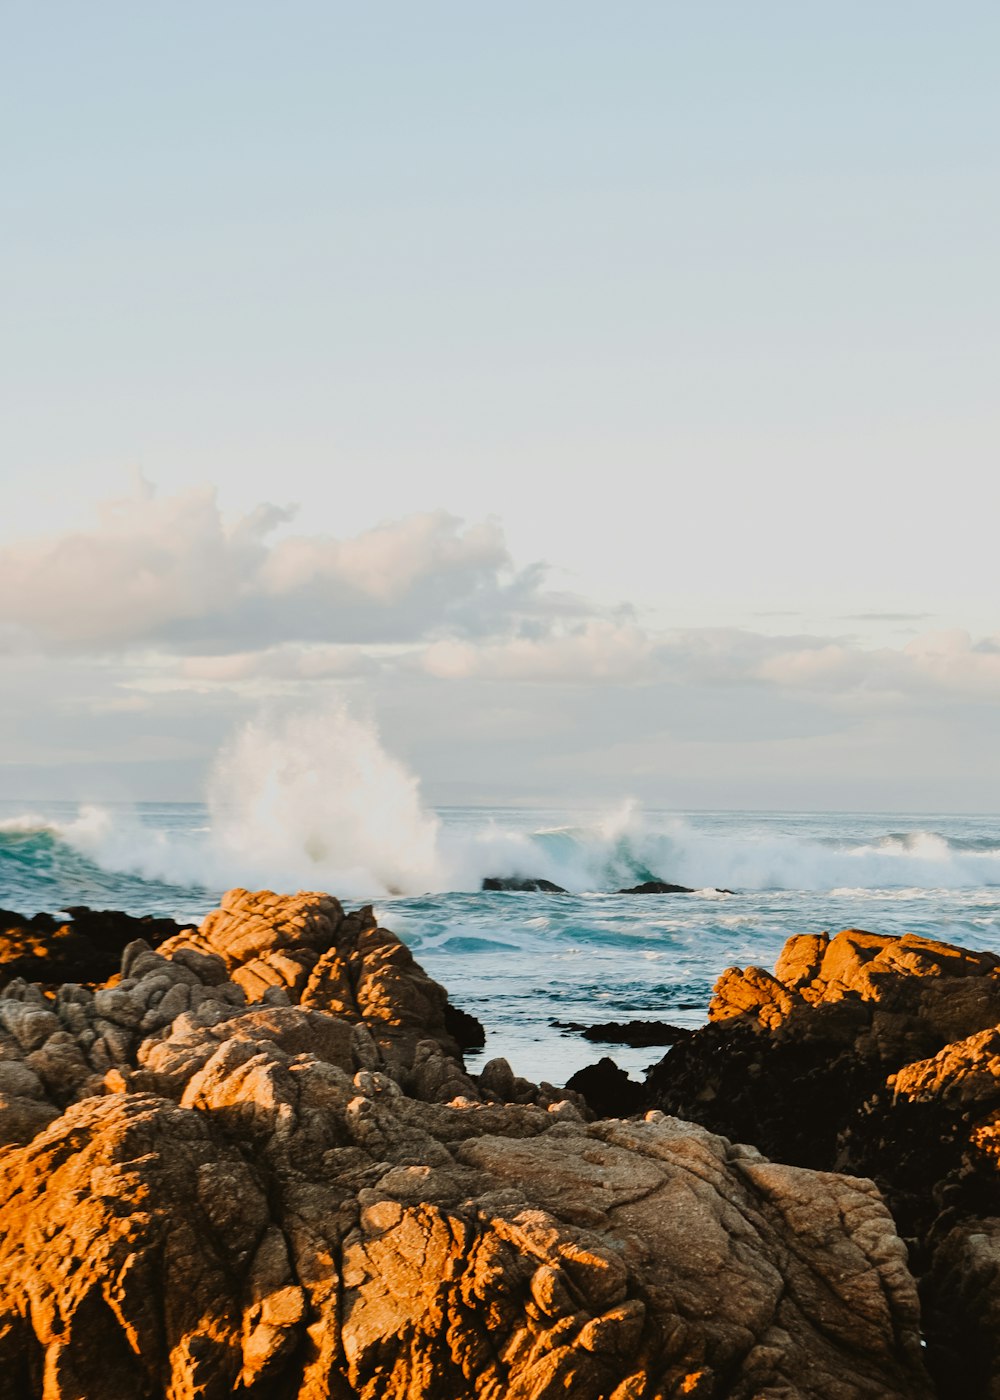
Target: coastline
[[312, 1040]]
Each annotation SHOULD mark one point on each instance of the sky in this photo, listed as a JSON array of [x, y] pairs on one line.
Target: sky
[[600, 398]]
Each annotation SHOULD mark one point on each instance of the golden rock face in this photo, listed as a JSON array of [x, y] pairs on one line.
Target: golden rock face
[[257, 1165]]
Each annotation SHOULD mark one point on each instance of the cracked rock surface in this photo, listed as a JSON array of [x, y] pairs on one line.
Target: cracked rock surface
[[255, 1164], [880, 1056]]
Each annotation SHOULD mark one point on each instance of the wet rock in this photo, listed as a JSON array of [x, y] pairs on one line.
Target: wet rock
[[608, 1090], [521, 886], [636, 1033], [657, 887]]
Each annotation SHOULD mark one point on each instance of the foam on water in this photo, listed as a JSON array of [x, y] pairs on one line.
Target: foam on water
[[315, 802]]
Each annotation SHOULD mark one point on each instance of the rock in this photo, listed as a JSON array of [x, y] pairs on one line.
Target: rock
[[636, 1033], [657, 887], [467, 1031], [789, 1059], [288, 1232], [962, 1308], [342, 964], [255, 1164], [527, 886], [363, 1003], [879, 1056], [86, 948], [607, 1089]]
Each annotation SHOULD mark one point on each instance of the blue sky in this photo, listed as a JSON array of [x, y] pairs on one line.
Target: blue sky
[[698, 303]]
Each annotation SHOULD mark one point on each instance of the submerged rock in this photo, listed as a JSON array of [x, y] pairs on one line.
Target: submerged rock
[[256, 1164]]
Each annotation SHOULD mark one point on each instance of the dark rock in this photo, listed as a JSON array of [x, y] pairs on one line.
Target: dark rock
[[467, 1031], [519, 886], [608, 1090], [636, 1033], [85, 948], [657, 887]]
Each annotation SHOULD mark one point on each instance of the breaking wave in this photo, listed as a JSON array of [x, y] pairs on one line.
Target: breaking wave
[[315, 801]]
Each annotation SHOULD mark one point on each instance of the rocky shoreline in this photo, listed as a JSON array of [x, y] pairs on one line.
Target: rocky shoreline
[[252, 1161]]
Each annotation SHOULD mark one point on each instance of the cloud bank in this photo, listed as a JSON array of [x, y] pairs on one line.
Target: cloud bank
[[146, 636], [173, 573]]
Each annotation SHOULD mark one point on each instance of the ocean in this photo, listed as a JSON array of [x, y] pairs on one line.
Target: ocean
[[518, 961]]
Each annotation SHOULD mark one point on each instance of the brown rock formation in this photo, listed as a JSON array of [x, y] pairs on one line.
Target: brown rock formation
[[879, 1056], [256, 1165]]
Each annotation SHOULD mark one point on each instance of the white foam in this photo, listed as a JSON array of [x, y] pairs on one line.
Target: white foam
[[312, 800]]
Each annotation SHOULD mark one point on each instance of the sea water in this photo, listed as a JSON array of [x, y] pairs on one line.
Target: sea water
[[521, 962]]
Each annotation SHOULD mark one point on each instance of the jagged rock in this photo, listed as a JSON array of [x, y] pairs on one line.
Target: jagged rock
[[255, 1163], [880, 1056], [286, 1231], [363, 1004], [791, 1059], [305, 946], [521, 886]]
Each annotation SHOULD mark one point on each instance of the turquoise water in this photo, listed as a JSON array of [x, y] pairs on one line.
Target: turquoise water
[[520, 961]]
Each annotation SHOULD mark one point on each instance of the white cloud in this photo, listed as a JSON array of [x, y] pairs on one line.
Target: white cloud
[[932, 665], [172, 572], [597, 650], [182, 621], [282, 663]]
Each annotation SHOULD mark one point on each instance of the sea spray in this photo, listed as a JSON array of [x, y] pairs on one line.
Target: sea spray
[[312, 799], [518, 961]]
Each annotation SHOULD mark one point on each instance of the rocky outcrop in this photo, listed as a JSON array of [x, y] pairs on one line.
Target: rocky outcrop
[[85, 947], [254, 1163], [844, 1053], [879, 1056], [268, 958], [286, 1230]]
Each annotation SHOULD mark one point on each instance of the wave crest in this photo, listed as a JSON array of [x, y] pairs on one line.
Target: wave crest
[[315, 801]]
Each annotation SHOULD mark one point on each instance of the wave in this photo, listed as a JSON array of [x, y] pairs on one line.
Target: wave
[[315, 801]]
